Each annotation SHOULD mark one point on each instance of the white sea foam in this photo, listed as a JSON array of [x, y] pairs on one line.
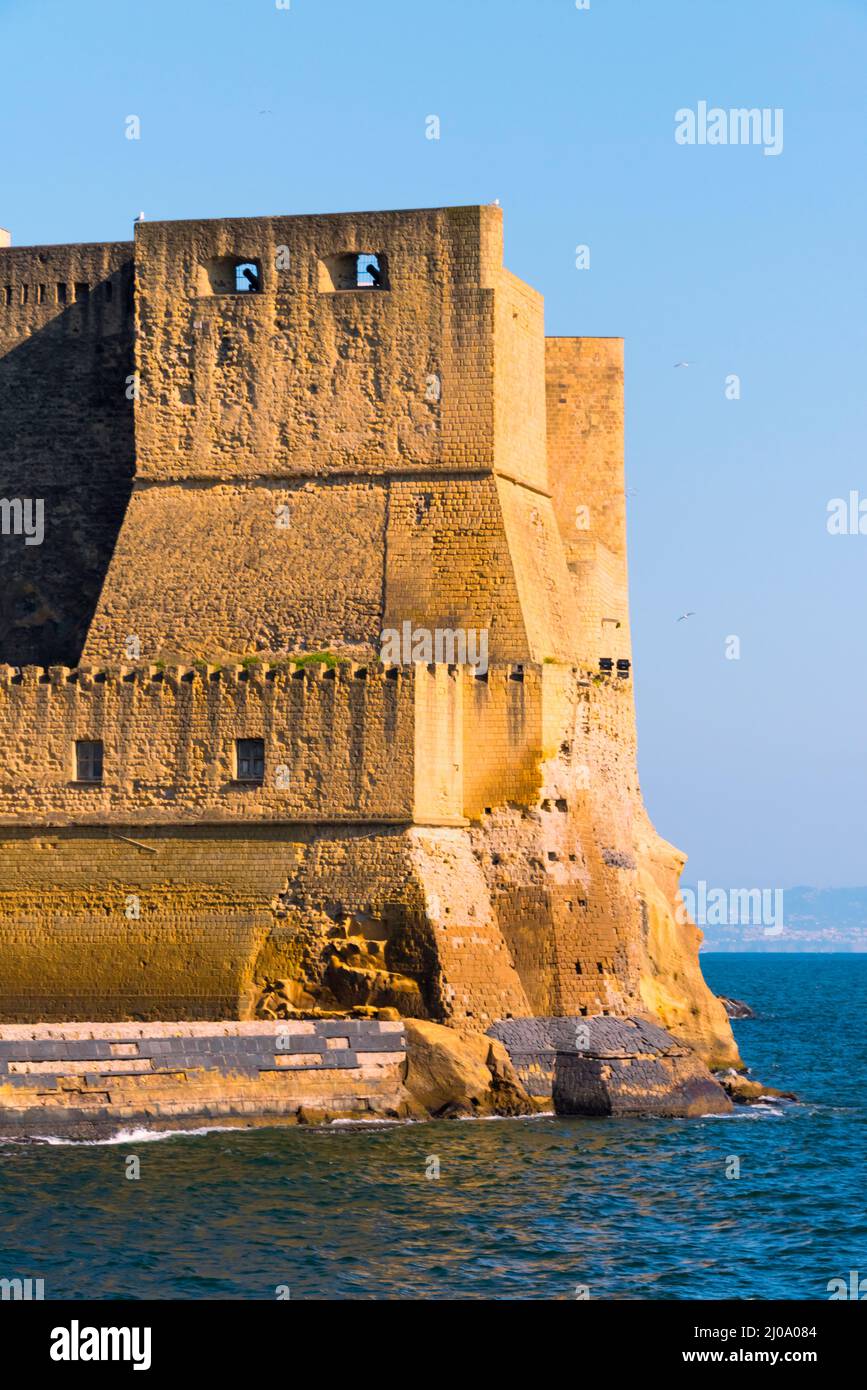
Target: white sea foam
[[133, 1136]]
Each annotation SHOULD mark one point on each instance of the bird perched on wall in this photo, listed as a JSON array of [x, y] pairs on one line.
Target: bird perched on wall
[[251, 276], [375, 274], [140, 218]]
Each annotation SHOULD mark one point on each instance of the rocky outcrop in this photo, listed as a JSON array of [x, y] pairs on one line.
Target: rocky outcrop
[[744, 1091], [451, 1075], [610, 1066], [736, 1008]]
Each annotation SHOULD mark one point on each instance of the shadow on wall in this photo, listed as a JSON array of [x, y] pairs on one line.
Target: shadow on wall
[[66, 439]]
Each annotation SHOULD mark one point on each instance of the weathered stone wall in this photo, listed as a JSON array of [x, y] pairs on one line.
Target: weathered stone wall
[[338, 744], [91, 1080], [623, 1066], [362, 427], [66, 436], [584, 384], [316, 462]]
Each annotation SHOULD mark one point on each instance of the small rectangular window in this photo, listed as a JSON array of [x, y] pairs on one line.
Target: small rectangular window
[[61, 292], [250, 759], [40, 294], [25, 293], [7, 294], [353, 270], [88, 760], [82, 289]]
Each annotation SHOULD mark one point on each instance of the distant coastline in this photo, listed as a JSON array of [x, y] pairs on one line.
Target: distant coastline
[[817, 921]]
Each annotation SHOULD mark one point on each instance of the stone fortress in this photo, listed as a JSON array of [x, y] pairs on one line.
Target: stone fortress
[[261, 444]]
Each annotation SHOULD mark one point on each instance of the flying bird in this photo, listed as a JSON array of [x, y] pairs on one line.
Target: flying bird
[[684, 364], [690, 614]]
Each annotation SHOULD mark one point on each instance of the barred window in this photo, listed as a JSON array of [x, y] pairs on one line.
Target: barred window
[[88, 760], [250, 759]]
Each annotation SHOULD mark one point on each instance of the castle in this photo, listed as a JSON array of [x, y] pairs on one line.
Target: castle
[[261, 444]]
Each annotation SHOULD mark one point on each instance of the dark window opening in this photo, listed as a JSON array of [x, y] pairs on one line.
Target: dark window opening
[[7, 294], [88, 760], [230, 275], [25, 293], [353, 270], [61, 292], [250, 759], [108, 290], [82, 289], [40, 294]]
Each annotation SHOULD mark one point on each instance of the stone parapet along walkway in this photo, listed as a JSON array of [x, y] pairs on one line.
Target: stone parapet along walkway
[[92, 1079]]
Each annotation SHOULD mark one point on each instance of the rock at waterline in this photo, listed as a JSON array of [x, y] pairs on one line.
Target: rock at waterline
[[450, 1075], [610, 1066], [743, 1091], [736, 1008]]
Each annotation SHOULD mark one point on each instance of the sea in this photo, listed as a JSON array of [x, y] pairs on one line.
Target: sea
[[768, 1203]]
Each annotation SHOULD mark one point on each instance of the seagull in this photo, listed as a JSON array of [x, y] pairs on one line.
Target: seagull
[[684, 364], [690, 614], [266, 113], [140, 218], [495, 203]]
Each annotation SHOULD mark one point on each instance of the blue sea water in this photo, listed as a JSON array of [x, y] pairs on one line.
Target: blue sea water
[[522, 1209]]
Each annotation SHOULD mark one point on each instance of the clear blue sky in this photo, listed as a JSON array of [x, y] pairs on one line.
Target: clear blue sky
[[723, 257]]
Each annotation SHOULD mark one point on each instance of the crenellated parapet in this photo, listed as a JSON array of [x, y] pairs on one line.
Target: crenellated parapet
[[425, 744], [347, 435]]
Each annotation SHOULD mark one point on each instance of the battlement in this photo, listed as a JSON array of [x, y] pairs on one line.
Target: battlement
[[271, 742], [253, 438]]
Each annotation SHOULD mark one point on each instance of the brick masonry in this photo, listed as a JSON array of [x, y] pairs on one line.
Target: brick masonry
[[93, 1079], [236, 481], [609, 1066]]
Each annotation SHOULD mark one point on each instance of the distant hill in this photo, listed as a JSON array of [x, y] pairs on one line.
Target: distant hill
[[815, 919]]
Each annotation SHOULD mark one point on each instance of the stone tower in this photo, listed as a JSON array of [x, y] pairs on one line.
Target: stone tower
[[269, 449]]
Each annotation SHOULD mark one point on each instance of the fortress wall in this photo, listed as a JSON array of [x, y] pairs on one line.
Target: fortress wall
[[584, 387], [345, 744], [315, 463], [502, 739], [542, 578], [70, 950], [559, 861], [448, 563], [66, 436], [519, 381], [185, 921], [301, 378], [269, 567], [89, 1080], [584, 379], [439, 745]]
